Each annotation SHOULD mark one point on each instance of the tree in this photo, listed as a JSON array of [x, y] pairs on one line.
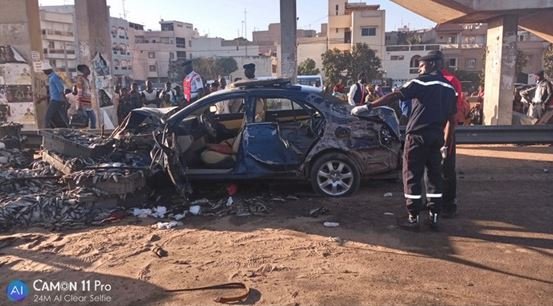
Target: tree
[[225, 65], [335, 64], [548, 61], [345, 65], [307, 67], [363, 59]]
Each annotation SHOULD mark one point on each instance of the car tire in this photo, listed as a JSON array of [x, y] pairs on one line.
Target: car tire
[[335, 175]]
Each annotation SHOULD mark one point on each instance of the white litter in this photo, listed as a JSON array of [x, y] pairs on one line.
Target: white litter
[[195, 209], [159, 212], [141, 213], [179, 217], [166, 225], [545, 170], [230, 201], [388, 195], [331, 224], [388, 214], [2, 146], [200, 201]]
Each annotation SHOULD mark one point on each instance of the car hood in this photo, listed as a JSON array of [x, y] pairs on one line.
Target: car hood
[[384, 113]]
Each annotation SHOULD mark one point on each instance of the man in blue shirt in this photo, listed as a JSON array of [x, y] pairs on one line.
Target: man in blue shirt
[[56, 116]]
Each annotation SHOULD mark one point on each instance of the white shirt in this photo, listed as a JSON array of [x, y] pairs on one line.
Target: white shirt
[[73, 103]]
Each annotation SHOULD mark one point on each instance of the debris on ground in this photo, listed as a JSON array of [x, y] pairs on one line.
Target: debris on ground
[[331, 224], [316, 212], [167, 225], [388, 195], [159, 251]]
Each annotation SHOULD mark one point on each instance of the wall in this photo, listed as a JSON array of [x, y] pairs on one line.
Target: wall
[[369, 18], [312, 48]]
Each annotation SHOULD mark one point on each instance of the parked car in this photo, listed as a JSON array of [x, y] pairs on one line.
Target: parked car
[[274, 130]]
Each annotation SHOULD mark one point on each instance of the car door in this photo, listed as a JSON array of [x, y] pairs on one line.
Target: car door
[[267, 140]]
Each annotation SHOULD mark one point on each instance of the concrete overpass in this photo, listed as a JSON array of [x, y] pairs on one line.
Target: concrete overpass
[[503, 18]]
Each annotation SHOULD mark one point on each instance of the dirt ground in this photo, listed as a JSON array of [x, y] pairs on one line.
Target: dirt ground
[[498, 251]]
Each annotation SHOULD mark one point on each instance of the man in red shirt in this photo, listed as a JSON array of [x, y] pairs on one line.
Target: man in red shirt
[[448, 151], [192, 85]]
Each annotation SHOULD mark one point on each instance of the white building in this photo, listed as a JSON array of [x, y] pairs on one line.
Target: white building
[[121, 51], [58, 38], [352, 23]]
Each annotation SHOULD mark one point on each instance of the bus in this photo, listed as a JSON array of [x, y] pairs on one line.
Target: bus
[[311, 80]]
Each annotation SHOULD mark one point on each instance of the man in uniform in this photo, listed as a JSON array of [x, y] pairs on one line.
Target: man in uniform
[[150, 96], [432, 121], [249, 71], [192, 85]]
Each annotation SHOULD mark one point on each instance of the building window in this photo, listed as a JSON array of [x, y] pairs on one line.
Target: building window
[[337, 8], [470, 63], [181, 54], [452, 40], [452, 63], [397, 57], [167, 27], [189, 43], [151, 55], [152, 68], [51, 45], [370, 31], [171, 55], [414, 64], [274, 68], [181, 42], [347, 37]]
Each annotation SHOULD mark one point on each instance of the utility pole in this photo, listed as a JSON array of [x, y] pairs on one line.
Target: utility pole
[[288, 52], [246, 29]]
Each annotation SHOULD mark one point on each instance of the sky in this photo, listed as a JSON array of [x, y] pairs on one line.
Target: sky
[[224, 18]]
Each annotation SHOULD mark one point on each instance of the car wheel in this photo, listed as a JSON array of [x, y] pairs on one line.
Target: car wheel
[[335, 175]]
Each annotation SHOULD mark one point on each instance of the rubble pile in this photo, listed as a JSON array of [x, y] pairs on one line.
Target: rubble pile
[[14, 158], [34, 196], [80, 138]]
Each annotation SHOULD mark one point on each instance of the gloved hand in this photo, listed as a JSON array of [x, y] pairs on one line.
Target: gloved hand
[[359, 109], [444, 150]]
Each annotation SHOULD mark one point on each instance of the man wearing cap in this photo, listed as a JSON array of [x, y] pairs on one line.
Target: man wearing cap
[[192, 85], [249, 71], [542, 95], [56, 116], [432, 121]]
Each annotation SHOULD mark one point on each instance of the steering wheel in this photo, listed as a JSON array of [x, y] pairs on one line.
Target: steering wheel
[[205, 121]]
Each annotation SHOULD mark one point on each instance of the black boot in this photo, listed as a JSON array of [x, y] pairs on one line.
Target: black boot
[[433, 220]]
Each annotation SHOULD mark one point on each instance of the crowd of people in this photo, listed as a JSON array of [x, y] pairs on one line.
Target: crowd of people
[[72, 107]]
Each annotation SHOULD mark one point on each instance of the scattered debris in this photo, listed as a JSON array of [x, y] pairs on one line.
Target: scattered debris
[[179, 217], [545, 170], [167, 225], [315, 212], [331, 224], [195, 209], [141, 212], [278, 199], [388, 195], [160, 252], [388, 213]]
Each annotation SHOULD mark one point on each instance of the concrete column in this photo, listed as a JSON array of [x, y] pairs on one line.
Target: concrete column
[[93, 35], [20, 29], [288, 51], [501, 52]]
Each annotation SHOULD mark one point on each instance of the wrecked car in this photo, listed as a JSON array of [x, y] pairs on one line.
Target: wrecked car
[[272, 129]]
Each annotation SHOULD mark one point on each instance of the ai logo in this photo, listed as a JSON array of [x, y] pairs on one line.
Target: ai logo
[[17, 291]]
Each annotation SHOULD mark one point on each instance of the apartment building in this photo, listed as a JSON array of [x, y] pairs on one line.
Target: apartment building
[[59, 42], [121, 51], [152, 51], [352, 23], [463, 46]]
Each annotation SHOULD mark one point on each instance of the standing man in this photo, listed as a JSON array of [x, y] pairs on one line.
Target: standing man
[[249, 71], [56, 115], [85, 96], [449, 209], [167, 96], [542, 94], [192, 85], [431, 121], [149, 96], [357, 91], [135, 98]]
